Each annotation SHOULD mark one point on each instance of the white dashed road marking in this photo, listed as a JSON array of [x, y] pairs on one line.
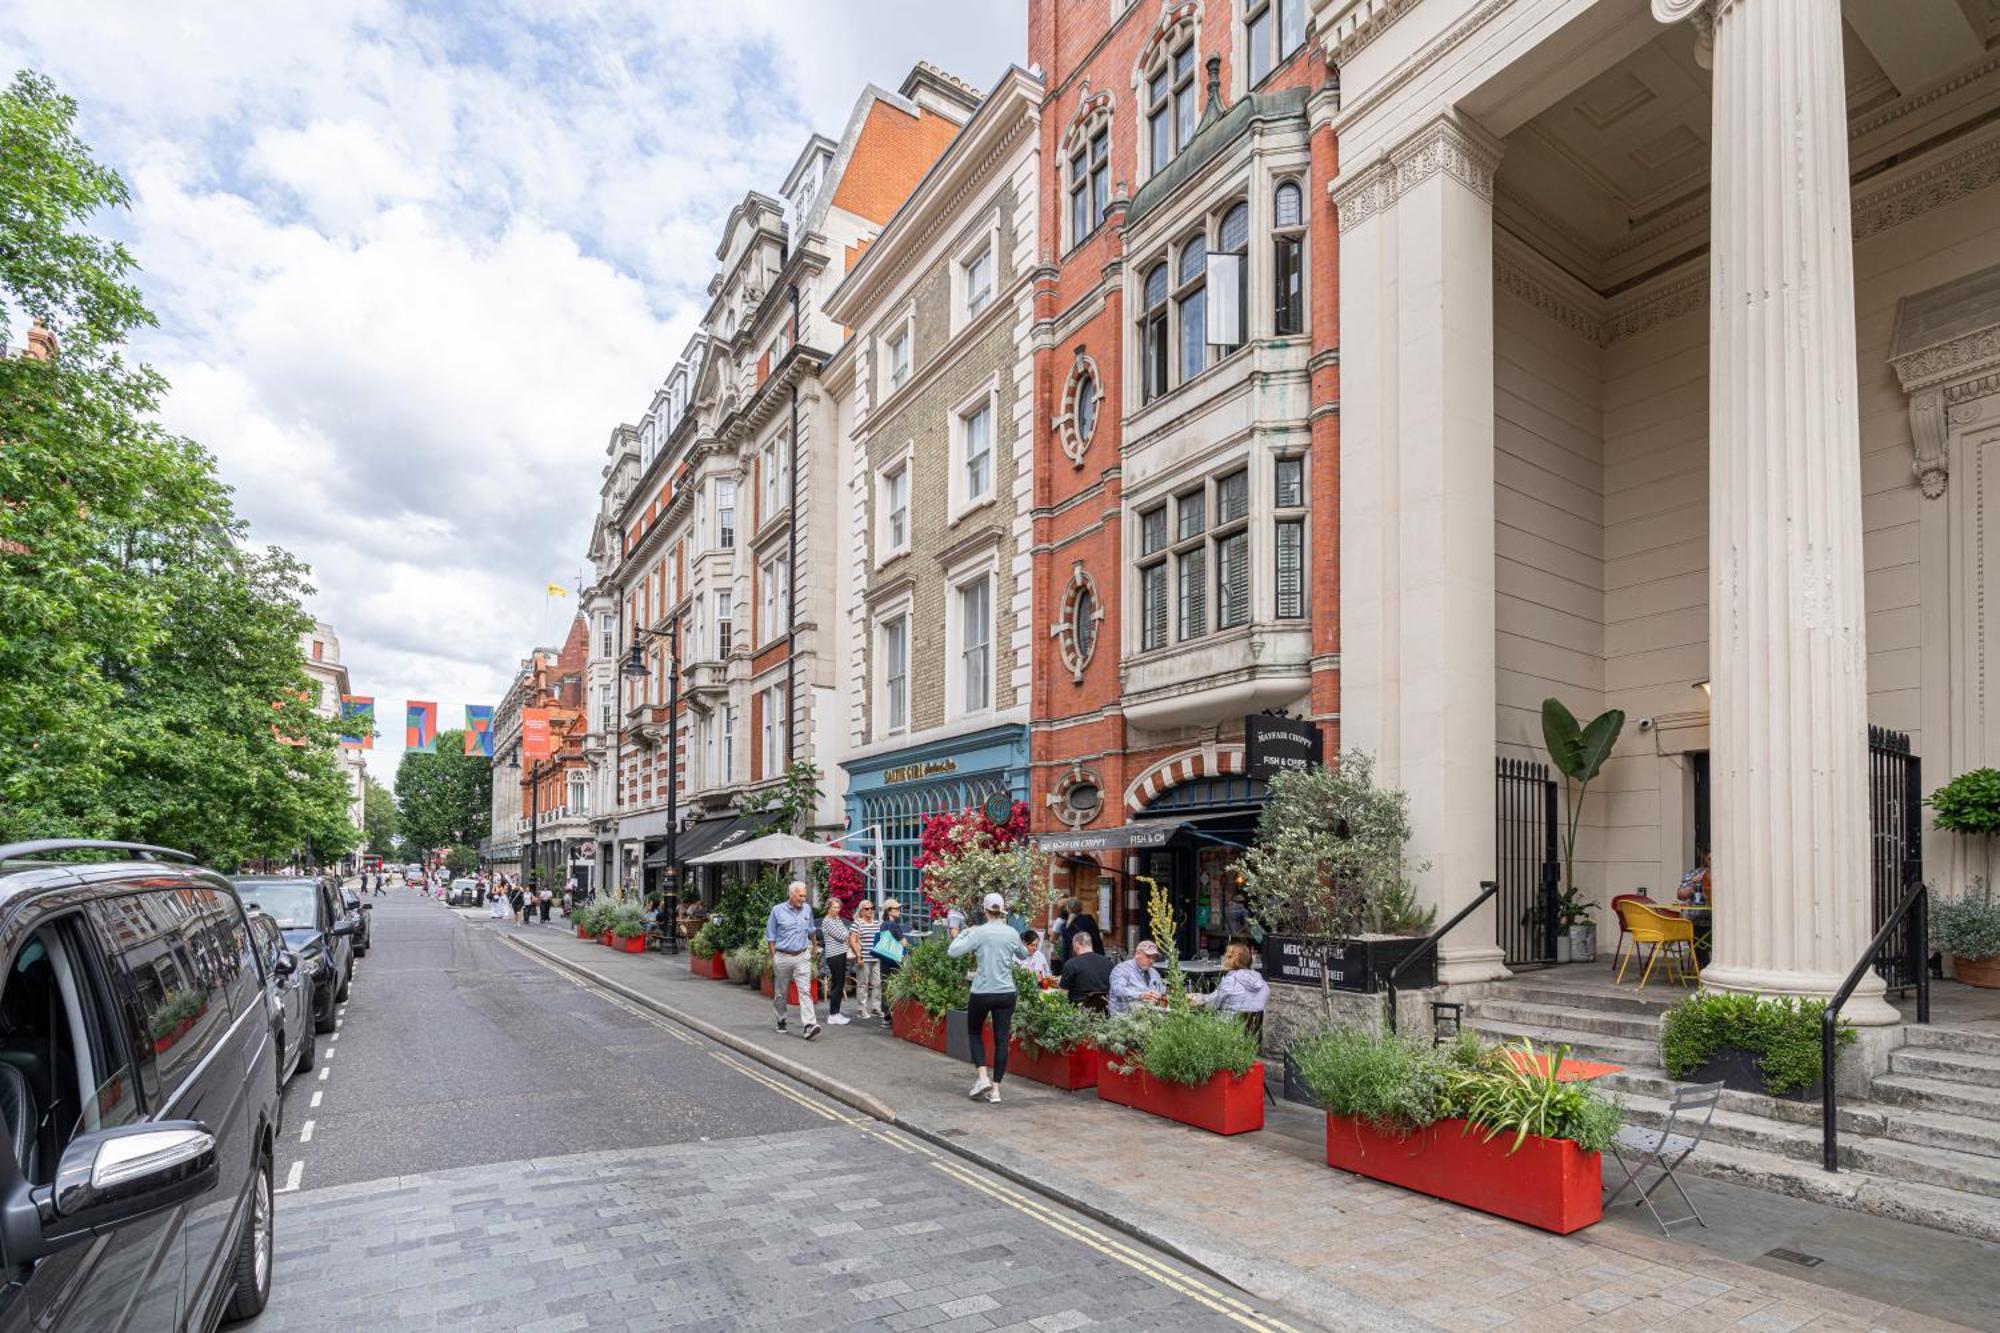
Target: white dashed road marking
[[315, 1100], [292, 1178], [306, 1131], [323, 1073]]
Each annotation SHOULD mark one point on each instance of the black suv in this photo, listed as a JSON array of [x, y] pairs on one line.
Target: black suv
[[316, 923], [138, 1090]]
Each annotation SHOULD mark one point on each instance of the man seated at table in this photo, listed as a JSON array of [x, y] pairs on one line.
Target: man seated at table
[[1086, 977], [1136, 980]]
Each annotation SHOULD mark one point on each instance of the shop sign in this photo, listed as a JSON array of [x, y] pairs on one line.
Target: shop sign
[[1274, 745], [918, 772], [1352, 965]]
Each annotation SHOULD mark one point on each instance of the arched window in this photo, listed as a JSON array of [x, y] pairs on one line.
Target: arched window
[[1153, 332], [1089, 185], [1288, 247], [1191, 299], [1230, 325], [1083, 625], [1173, 105], [1086, 408]]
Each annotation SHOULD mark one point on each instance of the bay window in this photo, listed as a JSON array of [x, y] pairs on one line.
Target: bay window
[[1191, 305]]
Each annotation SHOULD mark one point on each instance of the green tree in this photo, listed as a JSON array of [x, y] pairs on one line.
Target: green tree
[[143, 648], [380, 823], [444, 799]]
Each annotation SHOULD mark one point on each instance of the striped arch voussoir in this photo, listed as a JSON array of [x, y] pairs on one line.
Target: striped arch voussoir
[[1208, 761]]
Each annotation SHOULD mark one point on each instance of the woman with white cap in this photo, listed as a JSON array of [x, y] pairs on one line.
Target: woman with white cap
[[995, 947]]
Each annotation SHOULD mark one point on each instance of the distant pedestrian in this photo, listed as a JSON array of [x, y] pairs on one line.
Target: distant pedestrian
[[995, 947], [789, 935], [547, 904], [497, 908], [837, 937], [867, 967], [1080, 922], [892, 929]]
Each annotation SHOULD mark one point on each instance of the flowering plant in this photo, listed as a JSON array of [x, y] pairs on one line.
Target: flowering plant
[[956, 861], [847, 884]]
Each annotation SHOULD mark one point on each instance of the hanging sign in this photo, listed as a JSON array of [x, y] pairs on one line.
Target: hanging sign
[[479, 730], [357, 714], [1274, 745], [535, 733], [420, 727]]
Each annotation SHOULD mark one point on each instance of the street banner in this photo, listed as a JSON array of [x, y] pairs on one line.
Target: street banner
[[420, 727], [278, 706], [479, 730], [357, 714], [534, 733]]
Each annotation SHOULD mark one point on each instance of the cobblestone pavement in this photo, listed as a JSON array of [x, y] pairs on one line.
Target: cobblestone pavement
[[497, 1147]]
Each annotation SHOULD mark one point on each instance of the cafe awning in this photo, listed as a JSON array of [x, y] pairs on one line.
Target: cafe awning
[[706, 835], [1127, 837], [770, 847]]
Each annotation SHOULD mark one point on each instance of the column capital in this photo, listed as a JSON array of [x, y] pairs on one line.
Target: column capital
[[1702, 14], [1449, 145]]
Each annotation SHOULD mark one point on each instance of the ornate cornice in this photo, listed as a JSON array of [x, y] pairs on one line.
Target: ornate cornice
[[1516, 280], [1357, 23], [1447, 146], [1655, 306], [1962, 173], [1969, 357]]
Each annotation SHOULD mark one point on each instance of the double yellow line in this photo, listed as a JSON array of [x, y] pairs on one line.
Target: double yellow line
[[1168, 1276]]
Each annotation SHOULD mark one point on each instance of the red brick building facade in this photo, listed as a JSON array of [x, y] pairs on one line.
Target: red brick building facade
[[1187, 435]]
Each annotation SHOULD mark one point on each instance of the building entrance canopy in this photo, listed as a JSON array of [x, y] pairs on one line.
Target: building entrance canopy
[[707, 835], [1128, 837]]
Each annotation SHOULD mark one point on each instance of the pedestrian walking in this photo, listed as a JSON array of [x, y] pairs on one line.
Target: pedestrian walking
[[497, 907], [995, 947], [548, 904], [889, 942], [789, 935], [867, 967], [837, 939]]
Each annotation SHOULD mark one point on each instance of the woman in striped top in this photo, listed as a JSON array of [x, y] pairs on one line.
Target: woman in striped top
[[838, 938], [867, 967]]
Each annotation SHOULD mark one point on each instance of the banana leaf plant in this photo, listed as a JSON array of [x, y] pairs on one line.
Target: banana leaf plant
[[1578, 753]]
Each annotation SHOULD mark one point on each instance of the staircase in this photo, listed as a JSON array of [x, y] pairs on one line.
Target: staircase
[[1923, 1146]]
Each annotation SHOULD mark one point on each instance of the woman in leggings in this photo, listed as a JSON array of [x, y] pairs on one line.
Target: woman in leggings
[[995, 947]]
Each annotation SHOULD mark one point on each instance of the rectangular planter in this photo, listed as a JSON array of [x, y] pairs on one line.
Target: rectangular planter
[[629, 943], [604, 938], [708, 965], [908, 1020], [582, 933], [791, 989], [1069, 1070], [1226, 1104], [1736, 1069], [1548, 1183]]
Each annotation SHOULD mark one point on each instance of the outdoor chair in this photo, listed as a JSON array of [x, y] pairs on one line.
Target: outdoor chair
[[1616, 899], [1665, 934], [1665, 1148]]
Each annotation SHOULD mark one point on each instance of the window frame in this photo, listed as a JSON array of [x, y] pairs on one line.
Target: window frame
[[1297, 516], [1170, 99], [896, 468], [1289, 240], [889, 622], [1185, 291], [983, 566], [987, 398], [774, 607], [725, 530], [1155, 349]]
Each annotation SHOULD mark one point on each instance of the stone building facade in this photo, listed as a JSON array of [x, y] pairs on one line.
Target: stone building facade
[[320, 647], [935, 389]]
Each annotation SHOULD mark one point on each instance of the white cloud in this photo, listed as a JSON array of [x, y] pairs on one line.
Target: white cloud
[[412, 264]]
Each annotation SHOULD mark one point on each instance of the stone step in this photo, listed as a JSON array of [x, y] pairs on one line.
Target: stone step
[[1950, 1066], [1612, 1023], [1935, 1095], [1587, 1045], [1970, 1040], [1653, 1001], [1780, 1125]]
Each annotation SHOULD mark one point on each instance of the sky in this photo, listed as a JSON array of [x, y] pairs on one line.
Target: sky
[[412, 262]]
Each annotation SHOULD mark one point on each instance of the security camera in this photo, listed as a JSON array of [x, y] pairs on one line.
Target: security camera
[[1645, 724]]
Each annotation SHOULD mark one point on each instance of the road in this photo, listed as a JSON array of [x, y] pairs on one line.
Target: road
[[488, 1143]]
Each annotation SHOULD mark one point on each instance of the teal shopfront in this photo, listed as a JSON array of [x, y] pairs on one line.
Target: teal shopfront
[[890, 794]]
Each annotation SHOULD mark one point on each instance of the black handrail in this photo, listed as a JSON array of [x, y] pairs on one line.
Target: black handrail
[[1916, 909], [1487, 888]]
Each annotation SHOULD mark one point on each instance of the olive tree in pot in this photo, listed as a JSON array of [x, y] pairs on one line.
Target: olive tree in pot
[[1578, 752], [1968, 927]]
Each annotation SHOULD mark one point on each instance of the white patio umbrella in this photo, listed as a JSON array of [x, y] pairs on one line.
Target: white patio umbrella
[[773, 847]]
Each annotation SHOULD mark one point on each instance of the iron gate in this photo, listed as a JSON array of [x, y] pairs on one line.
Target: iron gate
[[1529, 863], [1895, 845]]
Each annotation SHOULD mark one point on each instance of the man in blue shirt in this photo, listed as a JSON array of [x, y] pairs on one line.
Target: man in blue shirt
[[790, 936], [1136, 980]]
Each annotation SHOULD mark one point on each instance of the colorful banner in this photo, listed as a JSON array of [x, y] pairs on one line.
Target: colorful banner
[[479, 730], [535, 733], [420, 727], [357, 714], [557, 590], [278, 706]]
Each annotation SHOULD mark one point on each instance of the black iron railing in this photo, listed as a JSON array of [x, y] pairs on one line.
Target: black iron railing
[[1895, 847], [1530, 872], [1913, 914], [1487, 888]]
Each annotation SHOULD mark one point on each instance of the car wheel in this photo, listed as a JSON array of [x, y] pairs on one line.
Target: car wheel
[[308, 1052], [255, 1251], [323, 1022]]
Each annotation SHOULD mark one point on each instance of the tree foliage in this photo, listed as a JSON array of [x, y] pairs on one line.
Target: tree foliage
[[444, 799], [142, 646], [380, 823]]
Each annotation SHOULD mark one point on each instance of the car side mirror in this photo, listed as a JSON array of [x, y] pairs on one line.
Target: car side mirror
[[113, 1177], [344, 928], [286, 963], [368, 907]]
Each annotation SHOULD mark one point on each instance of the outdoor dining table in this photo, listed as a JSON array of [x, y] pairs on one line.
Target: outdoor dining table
[[1202, 973]]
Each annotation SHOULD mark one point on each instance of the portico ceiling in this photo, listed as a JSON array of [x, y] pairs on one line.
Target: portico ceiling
[[1611, 181]]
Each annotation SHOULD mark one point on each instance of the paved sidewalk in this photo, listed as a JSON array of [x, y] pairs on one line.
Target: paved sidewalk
[[1263, 1210]]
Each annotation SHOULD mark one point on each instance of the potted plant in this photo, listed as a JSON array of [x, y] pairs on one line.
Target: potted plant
[[1749, 1043], [626, 929], [1579, 753], [589, 922], [1499, 1130], [1968, 928], [745, 964], [1051, 1038], [926, 991], [705, 953], [1328, 880], [766, 984]]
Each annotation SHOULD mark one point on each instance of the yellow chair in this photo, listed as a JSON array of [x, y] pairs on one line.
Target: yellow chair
[[1664, 933]]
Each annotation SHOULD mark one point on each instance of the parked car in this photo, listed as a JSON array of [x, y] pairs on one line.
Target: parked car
[[359, 912], [315, 923], [289, 977], [140, 1112], [463, 893]]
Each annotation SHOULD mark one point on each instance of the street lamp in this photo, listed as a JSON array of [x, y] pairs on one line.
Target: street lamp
[[635, 668], [534, 814]]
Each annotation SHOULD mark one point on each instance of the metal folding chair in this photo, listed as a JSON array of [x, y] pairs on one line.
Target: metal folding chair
[[1664, 1150]]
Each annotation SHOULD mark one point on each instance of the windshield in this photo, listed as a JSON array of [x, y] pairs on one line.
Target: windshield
[[461, 884], [290, 902]]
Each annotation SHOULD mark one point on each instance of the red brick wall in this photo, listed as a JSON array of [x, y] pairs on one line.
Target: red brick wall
[[890, 156]]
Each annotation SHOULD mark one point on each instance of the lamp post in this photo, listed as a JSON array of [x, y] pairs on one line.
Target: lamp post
[[635, 668], [532, 876]]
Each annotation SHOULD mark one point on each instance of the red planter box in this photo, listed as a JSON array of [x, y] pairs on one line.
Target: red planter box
[[604, 938], [1548, 1183], [1226, 1104], [582, 934], [708, 965], [1069, 1070], [791, 989], [908, 1020], [627, 943]]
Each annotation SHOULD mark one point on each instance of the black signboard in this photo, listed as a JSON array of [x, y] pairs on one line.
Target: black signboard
[[1352, 965], [1274, 745]]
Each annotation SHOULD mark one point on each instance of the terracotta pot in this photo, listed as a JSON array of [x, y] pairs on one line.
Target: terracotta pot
[[1226, 1104], [708, 965], [1984, 972], [1547, 1183]]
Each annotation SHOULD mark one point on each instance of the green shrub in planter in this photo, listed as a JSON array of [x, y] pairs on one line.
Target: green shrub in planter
[[594, 919], [625, 922], [930, 978], [707, 940], [1190, 1046], [1393, 1083], [753, 959], [1046, 1020], [1967, 926], [1783, 1034]]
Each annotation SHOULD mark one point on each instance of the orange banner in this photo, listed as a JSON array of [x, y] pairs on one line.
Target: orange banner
[[535, 733]]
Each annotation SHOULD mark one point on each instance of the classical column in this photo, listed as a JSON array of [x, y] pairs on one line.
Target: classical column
[[1787, 651], [1417, 655]]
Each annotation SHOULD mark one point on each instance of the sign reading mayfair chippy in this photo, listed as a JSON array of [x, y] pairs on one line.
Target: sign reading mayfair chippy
[[1274, 745]]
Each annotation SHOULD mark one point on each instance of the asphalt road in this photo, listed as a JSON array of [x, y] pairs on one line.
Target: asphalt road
[[489, 1144]]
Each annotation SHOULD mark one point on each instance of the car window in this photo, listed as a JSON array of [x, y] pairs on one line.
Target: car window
[[270, 940], [241, 975], [170, 964], [291, 902]]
